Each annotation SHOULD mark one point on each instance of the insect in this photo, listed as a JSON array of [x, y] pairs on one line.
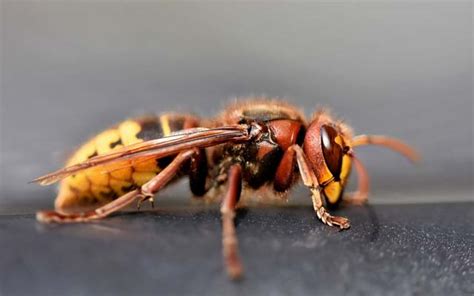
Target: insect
[[257, 144]]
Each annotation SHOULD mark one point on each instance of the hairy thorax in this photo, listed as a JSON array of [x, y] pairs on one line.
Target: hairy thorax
[[281, 126]]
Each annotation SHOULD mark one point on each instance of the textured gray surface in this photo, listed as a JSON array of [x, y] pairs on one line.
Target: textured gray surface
[[69, 70], [390, 250]]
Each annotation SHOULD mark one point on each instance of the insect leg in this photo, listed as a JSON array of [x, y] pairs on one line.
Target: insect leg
[[285, 172], [101, 212], [148, 189], [198, 173], [309, 180], [361, 195], [229, 239]]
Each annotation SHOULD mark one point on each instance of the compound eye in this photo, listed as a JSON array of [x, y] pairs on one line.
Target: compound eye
[[332, 150]]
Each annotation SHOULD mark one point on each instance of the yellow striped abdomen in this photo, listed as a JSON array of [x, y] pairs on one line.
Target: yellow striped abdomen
[[97, 186]]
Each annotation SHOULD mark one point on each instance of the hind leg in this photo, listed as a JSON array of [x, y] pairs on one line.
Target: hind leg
[[146, 191]]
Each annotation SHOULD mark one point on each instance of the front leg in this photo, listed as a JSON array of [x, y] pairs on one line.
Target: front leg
[[310, 181], [360, 196]]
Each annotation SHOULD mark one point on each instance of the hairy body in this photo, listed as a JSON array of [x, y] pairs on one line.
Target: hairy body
[[253, 145], [259, 159]]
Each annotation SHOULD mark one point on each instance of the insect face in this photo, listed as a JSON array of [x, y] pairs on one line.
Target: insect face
[[327, 146]]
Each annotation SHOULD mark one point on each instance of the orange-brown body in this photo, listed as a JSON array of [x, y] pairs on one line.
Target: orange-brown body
[[252, 145], [92, 188], [264, 162]]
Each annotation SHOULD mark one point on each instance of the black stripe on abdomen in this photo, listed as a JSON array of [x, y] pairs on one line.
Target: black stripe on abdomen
[[150, 128]]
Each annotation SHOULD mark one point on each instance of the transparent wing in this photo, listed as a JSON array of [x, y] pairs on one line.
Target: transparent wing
[[157, 148]]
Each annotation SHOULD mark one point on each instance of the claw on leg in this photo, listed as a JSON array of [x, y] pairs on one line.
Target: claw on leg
[[310, 181], [143, 198], [341, 222]]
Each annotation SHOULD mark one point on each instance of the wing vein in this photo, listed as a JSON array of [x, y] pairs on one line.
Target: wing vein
[[158, 148]]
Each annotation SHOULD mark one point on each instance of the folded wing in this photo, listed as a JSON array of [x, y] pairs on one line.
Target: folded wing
[[153, 149]]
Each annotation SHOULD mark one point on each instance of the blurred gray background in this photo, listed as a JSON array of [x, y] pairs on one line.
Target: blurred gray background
[[402, 69]]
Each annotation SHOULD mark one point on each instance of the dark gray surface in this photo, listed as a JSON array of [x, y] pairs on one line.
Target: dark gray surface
[[390, 250]]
